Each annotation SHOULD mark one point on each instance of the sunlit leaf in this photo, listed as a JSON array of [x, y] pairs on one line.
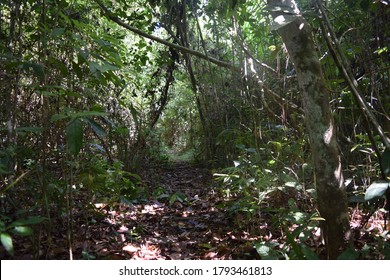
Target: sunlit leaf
[[6, 240], [376, 190], [23, 230], [266, 251], [382, 50]]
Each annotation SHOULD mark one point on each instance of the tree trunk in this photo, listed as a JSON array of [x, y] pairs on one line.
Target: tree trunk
[[332, 201]]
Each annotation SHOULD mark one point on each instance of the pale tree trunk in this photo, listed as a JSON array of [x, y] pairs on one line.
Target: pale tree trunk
[[332, 201]]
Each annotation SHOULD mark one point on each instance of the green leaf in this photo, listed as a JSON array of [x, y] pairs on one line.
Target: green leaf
[[29, 221], [57, 117], [57, 32], [2, 226], [349, 254], [134, 114], [172, 199], [308, 253], [376, 190], [97, 128], [77, 70], [74, 136], [266, 251], [386, 162], [290, 239], [205, 246], [23, 230], [35, 67], [6, 240], [89, 114], [104, 67], [124, 200]]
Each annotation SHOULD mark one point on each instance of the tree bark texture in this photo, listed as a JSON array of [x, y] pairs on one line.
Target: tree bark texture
[[332, 201]]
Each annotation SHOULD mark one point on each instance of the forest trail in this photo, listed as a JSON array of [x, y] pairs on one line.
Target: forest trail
[[180, 221]]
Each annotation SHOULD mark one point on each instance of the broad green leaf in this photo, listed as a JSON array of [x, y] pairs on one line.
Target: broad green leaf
[[376, 190], [97, 128], [88, 114], [77, 70], [266, 251], [103, 67], [6, 240], [126, 201], [181, 197], [349, 254], [60, 66], [74, 136], [295, 246], [308, 253], [58, 117], [57, 32], [47, 93], [172, 199], [134, 114], [35, 67], [386, 162], [29, 221], [23, 230], [2, 226]]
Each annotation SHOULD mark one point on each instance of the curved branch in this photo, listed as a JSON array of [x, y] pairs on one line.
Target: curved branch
[[114, 18], [341, 63]]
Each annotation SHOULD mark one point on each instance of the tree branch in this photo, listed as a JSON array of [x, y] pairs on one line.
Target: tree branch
[[341, 63], [187, 51], [114, 18]]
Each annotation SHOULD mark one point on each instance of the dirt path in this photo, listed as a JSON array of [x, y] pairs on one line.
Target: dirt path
[[179, 221]]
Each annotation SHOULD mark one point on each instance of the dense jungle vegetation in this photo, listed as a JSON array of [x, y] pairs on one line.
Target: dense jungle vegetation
[[194, 129]]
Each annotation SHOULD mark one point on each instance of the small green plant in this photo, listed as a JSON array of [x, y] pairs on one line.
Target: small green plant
[[177, 196], [297, 228], [110, 181], [20, 227]]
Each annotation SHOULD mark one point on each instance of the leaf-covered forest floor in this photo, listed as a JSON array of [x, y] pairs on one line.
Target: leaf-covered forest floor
[[180, 219]]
